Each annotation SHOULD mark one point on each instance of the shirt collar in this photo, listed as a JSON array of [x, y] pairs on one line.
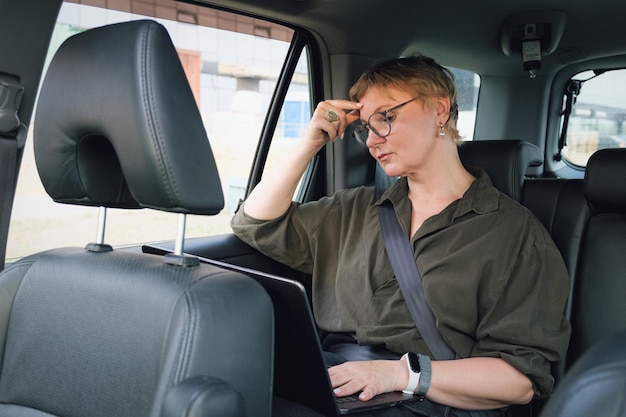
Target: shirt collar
[[481, 197]]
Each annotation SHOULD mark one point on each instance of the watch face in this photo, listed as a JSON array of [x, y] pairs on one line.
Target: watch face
[[414, 362]]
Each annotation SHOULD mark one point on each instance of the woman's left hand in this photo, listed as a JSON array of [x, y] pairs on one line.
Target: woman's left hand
[[370, 378], [480, 383]]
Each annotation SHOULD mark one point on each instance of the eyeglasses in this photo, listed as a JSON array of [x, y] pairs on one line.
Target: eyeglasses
[[379, 123]]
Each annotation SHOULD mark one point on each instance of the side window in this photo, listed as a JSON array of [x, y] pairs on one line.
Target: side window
[[233, 63], [294, 119], [598, 114], [468, 86]]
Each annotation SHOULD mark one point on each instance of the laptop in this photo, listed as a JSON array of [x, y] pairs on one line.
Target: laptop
[[300, 374]]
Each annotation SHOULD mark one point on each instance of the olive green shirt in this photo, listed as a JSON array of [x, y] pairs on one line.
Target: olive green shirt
[[491, 273]]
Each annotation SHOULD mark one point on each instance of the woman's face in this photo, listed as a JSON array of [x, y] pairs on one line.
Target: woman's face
[[414, 131]]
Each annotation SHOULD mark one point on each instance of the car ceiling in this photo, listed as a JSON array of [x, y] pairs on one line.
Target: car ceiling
[[458, 33]]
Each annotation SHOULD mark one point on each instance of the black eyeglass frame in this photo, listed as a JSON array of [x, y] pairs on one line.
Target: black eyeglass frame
[[361, 131]]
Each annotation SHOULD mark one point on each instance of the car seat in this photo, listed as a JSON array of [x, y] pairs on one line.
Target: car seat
[[116, 333], [598, 308]]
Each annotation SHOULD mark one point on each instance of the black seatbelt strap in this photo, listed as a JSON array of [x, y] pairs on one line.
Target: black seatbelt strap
[[12, 139], [403, 262], [8, 173]]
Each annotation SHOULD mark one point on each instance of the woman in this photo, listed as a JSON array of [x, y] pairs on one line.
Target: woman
[[491, 274]]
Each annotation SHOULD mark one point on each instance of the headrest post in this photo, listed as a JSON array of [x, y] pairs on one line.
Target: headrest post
[[102, 221], [178, 258], [99, 245], [179, 247]]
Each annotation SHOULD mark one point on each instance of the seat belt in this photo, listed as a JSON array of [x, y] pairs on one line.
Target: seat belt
[[409, 279], [8, 173], [12, 138]]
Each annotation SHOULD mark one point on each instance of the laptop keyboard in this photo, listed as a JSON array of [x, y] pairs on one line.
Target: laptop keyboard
[[348, 399]]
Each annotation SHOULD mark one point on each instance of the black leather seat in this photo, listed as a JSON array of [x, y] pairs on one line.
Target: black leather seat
[[598, 307], [114, 333], [506, 162], [595, 385]]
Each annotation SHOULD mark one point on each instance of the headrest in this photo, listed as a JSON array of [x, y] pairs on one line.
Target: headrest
[[117, 125], [506, 162], [605, 178]]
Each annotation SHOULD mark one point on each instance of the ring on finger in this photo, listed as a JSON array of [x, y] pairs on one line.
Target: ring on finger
[[331, 116]]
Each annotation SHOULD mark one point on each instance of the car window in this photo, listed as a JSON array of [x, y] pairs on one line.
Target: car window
[[232, 63], [468, 87], [295, 116], [598, 115]]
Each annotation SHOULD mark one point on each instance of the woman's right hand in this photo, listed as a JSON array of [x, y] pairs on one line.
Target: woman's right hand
[[321, 130]]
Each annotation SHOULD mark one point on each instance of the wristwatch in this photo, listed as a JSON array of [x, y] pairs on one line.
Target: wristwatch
[[419, 373], [413, 364]]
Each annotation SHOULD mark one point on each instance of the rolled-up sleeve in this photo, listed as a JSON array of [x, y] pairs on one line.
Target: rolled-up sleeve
[[524, 323], [285, 239]]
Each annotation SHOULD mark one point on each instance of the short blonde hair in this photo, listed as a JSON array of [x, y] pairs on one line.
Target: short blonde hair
[[418, 74]]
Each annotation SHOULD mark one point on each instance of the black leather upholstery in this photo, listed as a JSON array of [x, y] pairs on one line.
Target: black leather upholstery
[[112, 334], [119, 333], [103, 137], [506, 162], [598, 307], [604, 181], [595, 385]]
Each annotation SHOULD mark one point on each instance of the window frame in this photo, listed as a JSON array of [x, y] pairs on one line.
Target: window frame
[[570, 94]]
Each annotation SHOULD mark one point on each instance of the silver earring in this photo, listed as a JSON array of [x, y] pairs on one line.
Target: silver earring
[[441, 131]]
